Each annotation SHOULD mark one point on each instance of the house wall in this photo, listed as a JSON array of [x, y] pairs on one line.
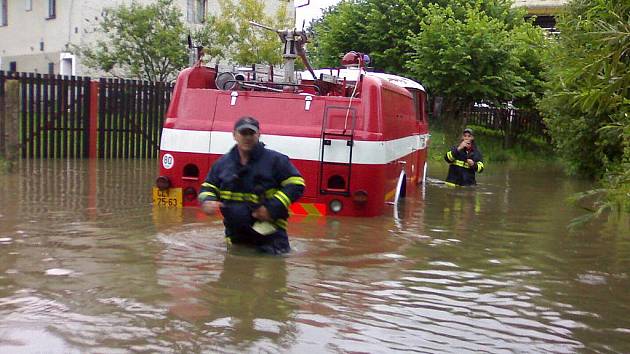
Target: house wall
[[541, 7], [33, 40]]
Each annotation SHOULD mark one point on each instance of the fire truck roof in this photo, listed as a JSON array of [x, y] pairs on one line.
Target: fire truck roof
[[351, 74]]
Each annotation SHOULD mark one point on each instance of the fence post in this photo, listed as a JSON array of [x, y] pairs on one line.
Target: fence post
[[507, 128], [11, 119], [92, 139], [3, 134]]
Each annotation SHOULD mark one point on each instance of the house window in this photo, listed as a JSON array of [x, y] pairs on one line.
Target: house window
[[51, 68], [28, 5], [201, 11], [12, 66], [52, 9], [196, 11], [3, 12]]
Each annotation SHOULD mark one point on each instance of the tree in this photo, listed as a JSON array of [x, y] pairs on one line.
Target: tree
[[337, 32], [378, 28], [464, 50], [215, 36], [140, 41], [586, 104], [469, 53], [381, 28], [531, 49], [247, 44]]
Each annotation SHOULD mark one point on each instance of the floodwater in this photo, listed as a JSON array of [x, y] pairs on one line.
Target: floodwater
[[87, 265]]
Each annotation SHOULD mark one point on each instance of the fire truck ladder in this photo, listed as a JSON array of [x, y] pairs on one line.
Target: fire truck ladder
[[336, 152]]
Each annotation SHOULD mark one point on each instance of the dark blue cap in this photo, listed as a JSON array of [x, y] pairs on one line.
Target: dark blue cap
[[247, 123]]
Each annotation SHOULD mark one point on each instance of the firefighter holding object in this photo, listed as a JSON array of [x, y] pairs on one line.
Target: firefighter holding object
[[465, 160], [253, 187]]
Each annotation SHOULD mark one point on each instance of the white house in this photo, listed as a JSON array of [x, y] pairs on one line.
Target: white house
[[35, 35], [545, 11]]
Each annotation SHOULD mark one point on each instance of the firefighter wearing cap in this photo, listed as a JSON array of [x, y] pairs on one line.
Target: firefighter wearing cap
[[465, 160], [253, 187]]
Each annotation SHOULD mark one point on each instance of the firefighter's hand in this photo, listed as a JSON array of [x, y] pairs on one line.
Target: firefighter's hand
[[210, 206], [470, 162], [262, 214], [463, 144]]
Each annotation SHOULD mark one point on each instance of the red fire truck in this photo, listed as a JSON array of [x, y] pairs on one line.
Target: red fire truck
[[359, 138]]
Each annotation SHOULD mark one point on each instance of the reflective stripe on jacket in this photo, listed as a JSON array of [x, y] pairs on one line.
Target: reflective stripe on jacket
[[459, 172]]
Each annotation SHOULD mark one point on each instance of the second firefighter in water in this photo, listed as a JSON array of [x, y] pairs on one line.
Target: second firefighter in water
[[465, 161]]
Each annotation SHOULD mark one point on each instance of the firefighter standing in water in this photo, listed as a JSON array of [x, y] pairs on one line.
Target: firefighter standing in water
[[253, 187], [465, 160]]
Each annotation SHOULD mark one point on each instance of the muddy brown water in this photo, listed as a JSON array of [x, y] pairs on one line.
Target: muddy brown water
[[87, 265]]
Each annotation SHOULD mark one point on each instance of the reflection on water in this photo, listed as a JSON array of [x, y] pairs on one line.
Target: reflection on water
[[86, 265]]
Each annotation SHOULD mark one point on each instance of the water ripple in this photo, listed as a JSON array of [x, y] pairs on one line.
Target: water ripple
[[491, 269]]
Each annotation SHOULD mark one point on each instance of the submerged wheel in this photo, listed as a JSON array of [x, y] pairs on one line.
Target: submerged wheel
[[403, 187]]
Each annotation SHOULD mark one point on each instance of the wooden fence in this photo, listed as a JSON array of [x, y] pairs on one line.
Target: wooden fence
[[130, 117], [75, 117], [511, 122]]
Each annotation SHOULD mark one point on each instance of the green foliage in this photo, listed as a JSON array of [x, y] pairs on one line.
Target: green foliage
[[215, 36], [378, 28], [468, 53], [336, 33], [245, 43], [586, 103], [141, 41], [463, 50], [588, 96], [149, 41], [531, 50], [439, 143], [381, 28]]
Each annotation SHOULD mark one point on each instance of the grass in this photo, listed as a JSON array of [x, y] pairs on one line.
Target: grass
[[490, 142], [4, 165]]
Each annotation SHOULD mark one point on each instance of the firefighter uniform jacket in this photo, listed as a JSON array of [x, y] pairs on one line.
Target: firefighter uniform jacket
[[268, 179], [459, 172]]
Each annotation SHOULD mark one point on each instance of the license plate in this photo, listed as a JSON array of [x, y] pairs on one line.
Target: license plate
[[167, 198]]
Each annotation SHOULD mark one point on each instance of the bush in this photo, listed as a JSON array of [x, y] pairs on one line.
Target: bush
[[587, 102]]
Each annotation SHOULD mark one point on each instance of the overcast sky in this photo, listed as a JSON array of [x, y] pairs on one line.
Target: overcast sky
[[312, 11]]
